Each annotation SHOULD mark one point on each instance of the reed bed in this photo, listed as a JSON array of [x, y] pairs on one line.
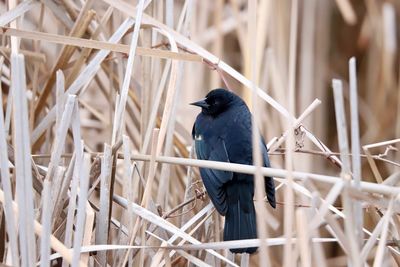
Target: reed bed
[[96, 156]]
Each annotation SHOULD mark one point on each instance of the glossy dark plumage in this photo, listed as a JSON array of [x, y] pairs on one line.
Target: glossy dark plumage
[[222, 132]]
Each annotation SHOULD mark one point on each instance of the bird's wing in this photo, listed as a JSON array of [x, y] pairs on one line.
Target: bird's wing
[[240, 149], [268, 181], [214, 180], [193, 130]]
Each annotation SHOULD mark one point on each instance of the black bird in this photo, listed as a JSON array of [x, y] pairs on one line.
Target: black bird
[[222, 132]]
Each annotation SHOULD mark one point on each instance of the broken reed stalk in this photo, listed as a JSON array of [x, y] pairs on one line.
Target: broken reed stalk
[[102, 225], [355, 147], [341, 126]]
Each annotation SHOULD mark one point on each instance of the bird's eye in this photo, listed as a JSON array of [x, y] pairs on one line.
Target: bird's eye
[[215, 102], [211, 101]]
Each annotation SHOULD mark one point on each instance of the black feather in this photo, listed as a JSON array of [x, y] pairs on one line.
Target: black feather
[[223, 132]]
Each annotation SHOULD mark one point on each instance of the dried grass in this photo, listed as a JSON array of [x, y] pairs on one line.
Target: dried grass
[[96, 155]]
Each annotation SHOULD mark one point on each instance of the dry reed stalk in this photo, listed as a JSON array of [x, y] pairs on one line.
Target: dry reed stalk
[[279, 241], [322, 147], [312, 138], [384, 235], [65, 117], [347, 11], [301, 224], [156, 260], [73, 194], [156, 103], [273, 172], [160, 90], [171, 91], [272, 147], [7, 189], [318, 255], [146, 193], [244, 261], [335, 229], [8, 111], [164, 178], [93, 44], [14, 24], [217, 46], [257, 157], [374, 235], [184, 33], [60, 198], [169, 16], [329, 200], [355, 148], [36, 56], [389, 43], [151, 217], [24, 192], [263, 27], [206, 36], [119, 116], [289, 259], [371, 161], [349, 221], [59, 13], [81, 209], [56, 244], [57, 192], [78, 30], [306, 57], [16, 12], [123, 7], [60, 88], [241, 35], [87, 51], [102, 225], [189, 186], [82, 79], [148, 188], [307, 68], [46, 222], [87, 236], [127, 181]]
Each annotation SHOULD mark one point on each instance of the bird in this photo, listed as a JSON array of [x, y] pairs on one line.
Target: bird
[[223, 132]]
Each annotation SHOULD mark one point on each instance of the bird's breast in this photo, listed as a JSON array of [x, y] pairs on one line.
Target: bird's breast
[[205, 126]]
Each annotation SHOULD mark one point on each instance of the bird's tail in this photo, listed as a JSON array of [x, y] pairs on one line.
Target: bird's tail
[[240, 224]]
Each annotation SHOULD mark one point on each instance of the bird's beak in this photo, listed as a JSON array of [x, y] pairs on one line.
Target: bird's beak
[[201, 103]]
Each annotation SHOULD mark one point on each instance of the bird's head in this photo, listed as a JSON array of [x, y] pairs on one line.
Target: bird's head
[[217, 101]]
